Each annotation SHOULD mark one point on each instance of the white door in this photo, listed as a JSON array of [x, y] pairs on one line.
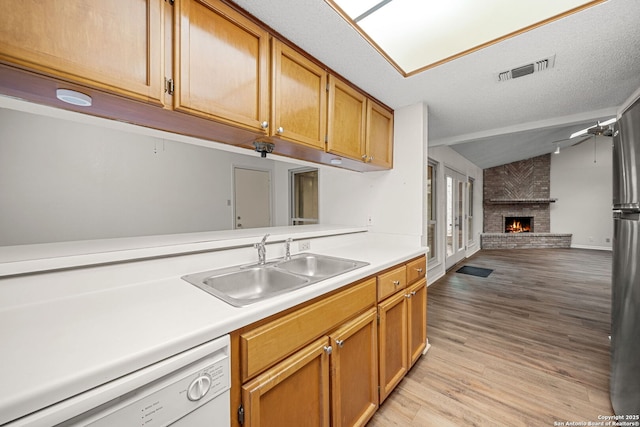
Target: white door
[[252, 198], [455, 230]]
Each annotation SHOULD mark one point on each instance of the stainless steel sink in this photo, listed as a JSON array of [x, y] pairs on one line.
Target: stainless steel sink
[[318, 266], [240, 287], [244, 285]]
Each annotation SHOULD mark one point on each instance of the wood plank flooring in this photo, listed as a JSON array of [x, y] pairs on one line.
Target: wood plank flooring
[[526, 346]]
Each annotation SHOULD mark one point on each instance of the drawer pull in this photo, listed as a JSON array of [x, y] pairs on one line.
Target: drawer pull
[[340, 343], [419, 270], [396, 282], [328, 349]]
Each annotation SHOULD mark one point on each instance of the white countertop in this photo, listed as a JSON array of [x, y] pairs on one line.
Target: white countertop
[[63, 332]]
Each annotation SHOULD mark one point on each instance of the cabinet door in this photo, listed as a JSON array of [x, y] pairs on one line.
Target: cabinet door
[[293, 393], [417, 320], [379, 135], [117, 46], [299, 97], [346, 121], [354, 367], [392, 334], [221, 64]]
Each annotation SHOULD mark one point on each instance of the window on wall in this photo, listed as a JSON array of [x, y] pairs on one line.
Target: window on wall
[[304, 196], [431, 212], [470, 212]]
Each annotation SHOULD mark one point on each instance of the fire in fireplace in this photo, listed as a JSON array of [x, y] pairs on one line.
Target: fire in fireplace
[[518, 224]]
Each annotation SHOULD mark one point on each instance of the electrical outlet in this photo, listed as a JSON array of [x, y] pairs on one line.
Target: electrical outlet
[[304, 245]]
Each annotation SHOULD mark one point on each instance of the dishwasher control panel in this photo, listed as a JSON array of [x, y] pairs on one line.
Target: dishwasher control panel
[[199, 389]]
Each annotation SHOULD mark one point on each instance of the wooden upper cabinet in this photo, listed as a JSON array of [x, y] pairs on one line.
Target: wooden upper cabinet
[[220, 64], [114, 46], [299, 99], [379, 135], [347, 116], [358, 127]]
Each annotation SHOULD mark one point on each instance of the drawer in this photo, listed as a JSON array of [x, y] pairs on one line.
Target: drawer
[[262, 347], [392, 281], [416, 270]]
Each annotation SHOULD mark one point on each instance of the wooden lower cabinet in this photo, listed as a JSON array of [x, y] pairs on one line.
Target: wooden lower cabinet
[[393, 347], [295, 392], [333, 361], [354, 371], [402, 332], [416, 320]]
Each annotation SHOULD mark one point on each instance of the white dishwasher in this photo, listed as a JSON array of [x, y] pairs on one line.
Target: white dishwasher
[[190, 389]]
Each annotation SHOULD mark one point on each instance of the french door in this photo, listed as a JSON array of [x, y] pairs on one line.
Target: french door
[[455, 229]]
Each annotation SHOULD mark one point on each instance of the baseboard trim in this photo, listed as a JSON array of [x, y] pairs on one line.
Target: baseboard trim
[[595, 248], [426, 348]]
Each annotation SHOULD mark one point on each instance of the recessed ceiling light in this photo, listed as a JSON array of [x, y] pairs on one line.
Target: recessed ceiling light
[[72, 97]]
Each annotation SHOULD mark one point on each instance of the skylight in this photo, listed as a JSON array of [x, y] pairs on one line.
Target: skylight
[[415, 35]]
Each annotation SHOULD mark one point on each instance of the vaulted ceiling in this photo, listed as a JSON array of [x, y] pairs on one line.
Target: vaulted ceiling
[[596, 67]]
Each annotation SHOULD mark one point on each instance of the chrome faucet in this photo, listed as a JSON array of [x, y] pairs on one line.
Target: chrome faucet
[[262, 250], [287, 249]]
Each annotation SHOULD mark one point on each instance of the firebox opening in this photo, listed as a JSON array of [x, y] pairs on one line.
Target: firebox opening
[[518, 224]]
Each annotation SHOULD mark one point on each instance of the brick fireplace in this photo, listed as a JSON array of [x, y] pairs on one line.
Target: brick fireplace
[[520, 190]]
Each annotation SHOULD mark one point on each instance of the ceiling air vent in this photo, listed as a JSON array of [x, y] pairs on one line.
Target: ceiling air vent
[[525, 70]]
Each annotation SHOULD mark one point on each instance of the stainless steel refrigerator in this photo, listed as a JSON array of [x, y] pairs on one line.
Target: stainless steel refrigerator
[[625, 308]]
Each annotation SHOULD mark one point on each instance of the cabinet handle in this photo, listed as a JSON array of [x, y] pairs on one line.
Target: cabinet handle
[[370, 159], [328, 349], [280, 130], [264, 124], [407, 296], [364, 157], [396, 282], [419, 270], [413, 293], [340, 343]]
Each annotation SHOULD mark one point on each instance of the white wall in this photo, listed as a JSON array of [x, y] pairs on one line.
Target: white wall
[[447, 157], [583, 188], [393, 199], [61, 180], [65, 176]]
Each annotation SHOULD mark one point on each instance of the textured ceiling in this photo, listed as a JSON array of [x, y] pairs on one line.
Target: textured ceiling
[[597, 67]]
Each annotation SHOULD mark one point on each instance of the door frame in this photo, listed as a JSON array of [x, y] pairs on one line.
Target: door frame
[[459, 250], [234, 167]]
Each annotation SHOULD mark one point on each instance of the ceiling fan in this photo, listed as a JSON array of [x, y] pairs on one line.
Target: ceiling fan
[[599, 129]]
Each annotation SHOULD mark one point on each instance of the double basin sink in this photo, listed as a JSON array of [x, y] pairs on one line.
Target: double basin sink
[[248, 284]]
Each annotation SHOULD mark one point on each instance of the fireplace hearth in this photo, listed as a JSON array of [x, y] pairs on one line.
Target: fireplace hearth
[[518, 224]]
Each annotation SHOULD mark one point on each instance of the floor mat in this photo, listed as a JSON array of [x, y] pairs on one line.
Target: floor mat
[[475, 271]]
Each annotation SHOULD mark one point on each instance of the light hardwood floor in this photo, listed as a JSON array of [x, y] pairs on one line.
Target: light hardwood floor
[[526, 346]]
